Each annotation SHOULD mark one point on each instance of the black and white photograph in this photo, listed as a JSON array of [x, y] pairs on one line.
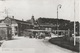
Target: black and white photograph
[[39, 26]]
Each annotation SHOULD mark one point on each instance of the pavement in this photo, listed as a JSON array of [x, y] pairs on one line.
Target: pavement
[[31, 45]]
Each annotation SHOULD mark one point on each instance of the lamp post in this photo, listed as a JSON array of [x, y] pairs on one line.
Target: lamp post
[[59, 6], [74, 25]]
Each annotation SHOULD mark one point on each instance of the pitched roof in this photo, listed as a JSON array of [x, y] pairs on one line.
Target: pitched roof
[[18, 21], [1, 20]]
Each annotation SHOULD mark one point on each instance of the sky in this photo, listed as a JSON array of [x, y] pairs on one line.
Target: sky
[[24, 9]]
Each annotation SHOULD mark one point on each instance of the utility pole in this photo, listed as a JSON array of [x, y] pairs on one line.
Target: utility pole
[[6, 11], [74, 26]]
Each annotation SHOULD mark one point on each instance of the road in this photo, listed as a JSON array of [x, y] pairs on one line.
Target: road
[[31, 45]]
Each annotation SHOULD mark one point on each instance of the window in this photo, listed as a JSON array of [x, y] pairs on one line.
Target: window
[[16, 28]]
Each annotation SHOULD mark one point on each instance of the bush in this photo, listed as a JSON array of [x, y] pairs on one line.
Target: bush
[[65, 44], [0, 38]]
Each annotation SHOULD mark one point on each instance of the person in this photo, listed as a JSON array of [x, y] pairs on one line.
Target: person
[[42, 35], [36, 35]]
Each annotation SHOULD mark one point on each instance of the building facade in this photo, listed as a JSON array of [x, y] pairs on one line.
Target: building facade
[[5, 31], [17, 26]]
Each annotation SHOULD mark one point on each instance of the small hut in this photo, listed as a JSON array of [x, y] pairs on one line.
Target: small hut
[[5, 31]]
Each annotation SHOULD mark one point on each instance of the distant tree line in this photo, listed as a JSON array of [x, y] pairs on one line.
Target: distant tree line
[[63, 24]]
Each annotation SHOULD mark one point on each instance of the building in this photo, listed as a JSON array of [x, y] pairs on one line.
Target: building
[[17, 26], [5, 31]]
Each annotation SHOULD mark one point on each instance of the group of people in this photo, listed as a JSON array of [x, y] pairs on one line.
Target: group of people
[[39, 35]]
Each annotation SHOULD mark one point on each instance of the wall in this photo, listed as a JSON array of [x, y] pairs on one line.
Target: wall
[[3, 33], [14, 30]]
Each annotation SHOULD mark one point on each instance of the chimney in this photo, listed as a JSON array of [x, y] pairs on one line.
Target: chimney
[[22, 19], [13, 17]]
